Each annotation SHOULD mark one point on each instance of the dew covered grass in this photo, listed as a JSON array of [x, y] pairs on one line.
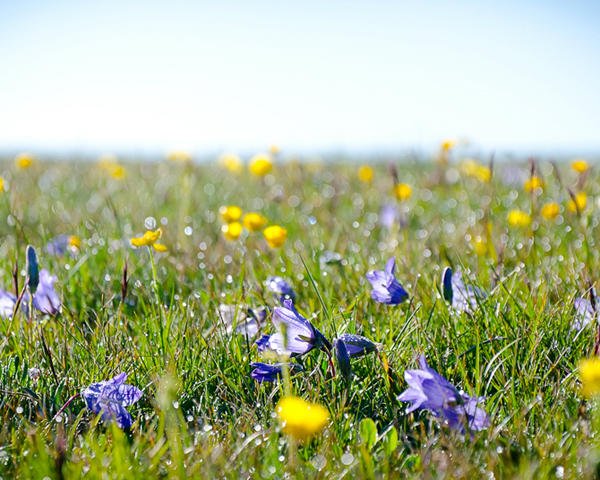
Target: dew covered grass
[[202, 415]]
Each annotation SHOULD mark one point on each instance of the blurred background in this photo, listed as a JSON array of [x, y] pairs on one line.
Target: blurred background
[[354, 76]]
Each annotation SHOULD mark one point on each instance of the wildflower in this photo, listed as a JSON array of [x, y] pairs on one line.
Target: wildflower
[[61, 244], [265, 372], [586, 311], [260, 165], [447, 145], [342, 358], [329, 258], [462, 298], [518, 218], [386, 289], [402, 191], [150, 238], [365, 174], [533, 183], [580, 165], [357, 345], [232, 231], [110, 164], [1, 184], [578, 204], [45, 298], [24, 161], [32, 267], [230, 213], [110, 398], [428, 390], [275, 236], [7, 304], [480, 245], [247, 321], [231, 162], [180, 156], [589, 372], [296, 335], [281, 288], [300, 419], [474, 169], [254, 221], [274, 149], [388, 216], [550, 211]]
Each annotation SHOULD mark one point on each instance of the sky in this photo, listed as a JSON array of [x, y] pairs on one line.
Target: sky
[[304, 75]]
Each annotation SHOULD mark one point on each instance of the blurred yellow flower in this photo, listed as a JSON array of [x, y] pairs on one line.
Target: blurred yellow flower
[[232, 231], [275, 236], [260, 165], [74, 242], [1, 184], [365, 174], [110, 164], [579, 204], [533, 183], [480, 245], [118, 172], [180, 156], [24, 160], [254, 221], [473, 168], [447, 145], [403, 191], [274, 149], [231, 162], [589, 372], [300, 419], [518, 218], [580, 165], [150, 238], [550, 210], [230, 213]]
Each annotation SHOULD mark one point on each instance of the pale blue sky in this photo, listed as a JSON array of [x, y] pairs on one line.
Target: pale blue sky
[[306, 75]]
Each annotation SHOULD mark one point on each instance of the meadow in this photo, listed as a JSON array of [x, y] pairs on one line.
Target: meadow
[[181, 314]]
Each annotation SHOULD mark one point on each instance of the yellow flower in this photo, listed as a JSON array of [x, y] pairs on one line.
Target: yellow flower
[[1, 184], [231, 162], [447, 145], [230, 213], [24, 160], [74, 242], [274, 149], [589, 372], [180, 156], [550, 211], [403, 191], [150, 238], [301, 419], [110, 164], [275, 236], [518, 218], [480, 245], [260, 165], [474, 169], [254, 221], [533, 183], [118, 172], [579, 204], [232, 231], [580, 165], [365, 174]]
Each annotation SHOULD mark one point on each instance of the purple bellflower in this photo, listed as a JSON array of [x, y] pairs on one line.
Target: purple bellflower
[[110, 398], [45, 298], [428, 390], [586, 311], [296, 335], [386, 289], [62, 244], [265, 372], [7, 304], [388, 216], [462, 298], [347, 346], [281, 288]]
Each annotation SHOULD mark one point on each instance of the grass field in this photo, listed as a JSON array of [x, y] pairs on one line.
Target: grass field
[[154, 315]]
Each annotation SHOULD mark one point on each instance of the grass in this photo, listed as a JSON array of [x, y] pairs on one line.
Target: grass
[[202, 416]]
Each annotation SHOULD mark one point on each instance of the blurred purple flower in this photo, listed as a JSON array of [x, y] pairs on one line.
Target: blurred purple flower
[[110, 398], [388, 215], [462, 298], [265, 372], [45, 299], [280, 287], [62, 244], [586, 311], [386, 289], [296, 335], [428, 390], [7, 304], [247, 321]]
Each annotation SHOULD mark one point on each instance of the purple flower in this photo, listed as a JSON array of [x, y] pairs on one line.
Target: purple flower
[[428, 390], [247, 321], [62, 244], [7, 304], [45, 298], [296, 335], [357, 345], [388, 215], [280, 287], [110, 398], [265, 372], [386, 289], [586, 311], [462, 298], [343, 358]]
